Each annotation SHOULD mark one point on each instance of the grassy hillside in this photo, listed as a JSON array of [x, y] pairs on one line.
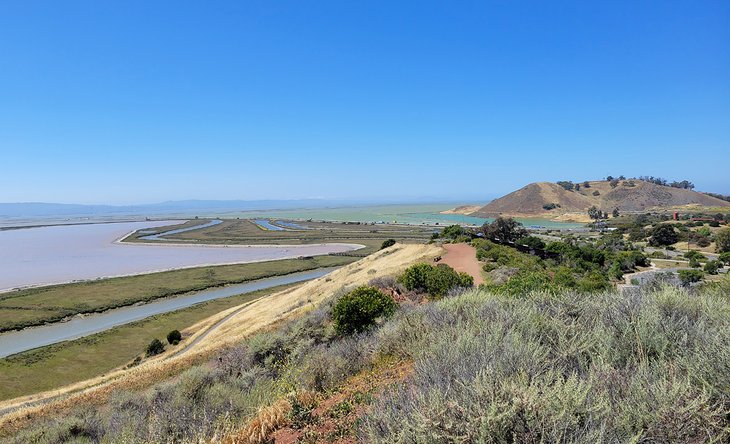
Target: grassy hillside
[[473, 367], [626, 195]]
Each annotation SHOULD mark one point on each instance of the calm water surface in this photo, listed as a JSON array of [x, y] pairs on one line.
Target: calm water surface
[[50, 255], [265, 224], [415, 214]]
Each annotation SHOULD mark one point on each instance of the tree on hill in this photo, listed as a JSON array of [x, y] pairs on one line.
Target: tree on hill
[[586, 184], [594, 213], [616, 212], [663, 235], [654, 180], [504, 229], [685, 184], [614, 183], [722, 240], [566, 184]]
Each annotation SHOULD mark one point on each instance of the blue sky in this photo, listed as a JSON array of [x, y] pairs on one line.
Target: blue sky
[[144, 101]]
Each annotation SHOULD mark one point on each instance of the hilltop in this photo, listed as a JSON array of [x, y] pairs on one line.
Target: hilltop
[[557, 201]]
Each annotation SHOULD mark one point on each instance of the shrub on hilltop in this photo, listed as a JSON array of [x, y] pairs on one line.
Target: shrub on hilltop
[[358, 310], [436, 281], [387, 243]]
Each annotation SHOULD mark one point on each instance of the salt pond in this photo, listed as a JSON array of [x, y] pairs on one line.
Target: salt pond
[[57, 254]]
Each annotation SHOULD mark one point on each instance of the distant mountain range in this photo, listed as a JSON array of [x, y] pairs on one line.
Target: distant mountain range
[[555, 201]]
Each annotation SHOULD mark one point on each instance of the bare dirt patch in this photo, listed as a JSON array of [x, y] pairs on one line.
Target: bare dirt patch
[[463, 257]]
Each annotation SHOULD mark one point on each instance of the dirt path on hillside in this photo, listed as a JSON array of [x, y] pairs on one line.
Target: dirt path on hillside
[[463, 257]]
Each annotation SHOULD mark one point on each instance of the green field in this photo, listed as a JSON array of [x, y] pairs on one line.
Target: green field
[[64, 363], [37, 306]]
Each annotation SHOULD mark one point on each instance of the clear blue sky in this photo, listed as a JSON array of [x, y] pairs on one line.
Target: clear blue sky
[[143, 101]]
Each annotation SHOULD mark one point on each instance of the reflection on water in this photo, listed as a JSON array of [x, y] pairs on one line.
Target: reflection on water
[[266, 225], [80, 326], [291, 225]]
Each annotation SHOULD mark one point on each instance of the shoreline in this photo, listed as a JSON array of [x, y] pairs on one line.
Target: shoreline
[[163, 298], [163, 270]]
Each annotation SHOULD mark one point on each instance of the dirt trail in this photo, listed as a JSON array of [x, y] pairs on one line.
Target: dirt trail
[[463, 257]]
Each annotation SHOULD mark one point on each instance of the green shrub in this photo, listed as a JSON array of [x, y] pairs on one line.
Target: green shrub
[[414, 277], [637, 234], [724, 258], [452, 232], [690, 276], [464, 238], [694, 255], [524, 283], [663, 234], [532, 242], [155, 348], [593, 282], [174, 337], [443, 278], [711, 267], [436, 281], [387, 243], [722, 240], [615, 272], [564, 277], [358, 310]]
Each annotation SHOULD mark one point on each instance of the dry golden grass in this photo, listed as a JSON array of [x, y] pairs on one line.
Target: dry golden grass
[[267, 420], [251, 318]]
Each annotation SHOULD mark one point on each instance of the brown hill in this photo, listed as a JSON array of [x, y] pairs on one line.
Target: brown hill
[[530, 200]]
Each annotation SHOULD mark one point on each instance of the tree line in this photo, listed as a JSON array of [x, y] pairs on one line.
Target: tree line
[[614, 181]]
